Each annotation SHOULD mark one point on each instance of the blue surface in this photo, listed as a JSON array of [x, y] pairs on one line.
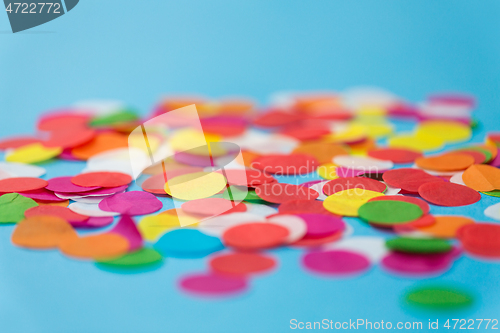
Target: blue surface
[[137, 50]]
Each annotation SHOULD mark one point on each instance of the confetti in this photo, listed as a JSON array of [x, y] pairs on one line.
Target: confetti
[[439, 297], [336, 262], [64, 185], [101, 179], [389, 212], [493, 211], [296, 226], [347, 202], [418, 245], [42, 232], [213, 284], [445, 162], [187, 243], [417, 263], [216, 226], [408, 179], [212, 206], [13, 206], [255, 236], [62, 212], [241, 264], [446, 226], [194, 186], [22, 170], [322, 225], [131, 203], [482, 177], [448, 194], [21, 184], [96, 247], [33, 153], [280, 193], [89, 209], [482, 239], [144, 257]]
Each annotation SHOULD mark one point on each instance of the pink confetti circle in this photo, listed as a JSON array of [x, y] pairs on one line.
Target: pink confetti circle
[[213, 284], [131, 203], [320, 225], [335, 262]]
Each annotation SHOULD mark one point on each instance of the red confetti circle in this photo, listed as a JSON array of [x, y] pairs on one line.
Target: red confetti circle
[[101, 179], [341, 184], [448, 194], [280, 193]]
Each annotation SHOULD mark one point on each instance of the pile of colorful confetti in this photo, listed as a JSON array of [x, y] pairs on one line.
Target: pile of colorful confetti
[[290, 174]]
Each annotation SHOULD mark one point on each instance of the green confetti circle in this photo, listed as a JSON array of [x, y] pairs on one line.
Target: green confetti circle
[[418, 245], [389, 212], [13, 206], [140, 258], [439, 297]]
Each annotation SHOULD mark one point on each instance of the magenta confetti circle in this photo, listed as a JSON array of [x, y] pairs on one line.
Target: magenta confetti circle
[[64, 185], [321, 225], [94, 222], [131, 203], [413, 263], [212, 284], [335, 262]]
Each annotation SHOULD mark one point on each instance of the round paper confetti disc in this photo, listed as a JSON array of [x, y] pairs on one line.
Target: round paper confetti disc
[[42, 194], [255, 236], [439, 297], [212, 206], [153, 226], [449, 131], [213, 284], [342, 184], [64, 185], [241, 264], [322, 225], [295, 164], [280, 193], [61, 212], [22, 170], [140, 258], [336, 262], [399, 156], [33, 153], [448, 194], [196, 185], [445, 162], [42, 232], [408, 179], [21, 184], [414, 142], [89, 209], [347, 203], [97, 247], [187, 243], [13, 206], [482, 177], [303, 206], [418, 245], [417, 263], [481, 239], [389, 212], [446, 226], [131, 203], [101, 179]]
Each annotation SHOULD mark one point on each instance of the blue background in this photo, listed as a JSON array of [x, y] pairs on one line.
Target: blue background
[[137, 50]]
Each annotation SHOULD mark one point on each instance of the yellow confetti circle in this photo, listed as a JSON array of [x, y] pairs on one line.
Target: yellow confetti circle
[[448, 131], [347, 202], [328, 171], [153, 226], [197, 185], [33, 153], [422, 142]]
